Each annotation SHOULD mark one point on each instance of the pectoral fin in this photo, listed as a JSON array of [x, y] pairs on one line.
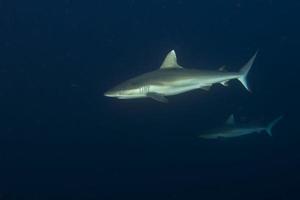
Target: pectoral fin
[[157, 97]]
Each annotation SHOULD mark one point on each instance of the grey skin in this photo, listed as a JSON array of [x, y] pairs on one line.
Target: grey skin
[[172, 79], [230, 129]]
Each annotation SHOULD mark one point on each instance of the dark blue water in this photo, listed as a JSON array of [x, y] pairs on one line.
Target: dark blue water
[[60, 138]]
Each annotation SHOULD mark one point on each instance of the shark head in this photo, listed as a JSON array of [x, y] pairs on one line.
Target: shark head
[[140, 86], [127, 90]]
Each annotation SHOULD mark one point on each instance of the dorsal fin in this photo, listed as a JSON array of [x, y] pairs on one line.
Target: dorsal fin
[[230, 120], [170, 61]]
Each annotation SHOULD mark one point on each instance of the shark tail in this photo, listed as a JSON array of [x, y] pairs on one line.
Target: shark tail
[[272, 124], [244, 72]]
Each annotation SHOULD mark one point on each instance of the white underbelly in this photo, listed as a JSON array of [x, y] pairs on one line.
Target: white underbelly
[[239, 132], [173, 90], [181, 86]]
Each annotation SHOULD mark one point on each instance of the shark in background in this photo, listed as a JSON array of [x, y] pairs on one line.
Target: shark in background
[[232, 129], [172, 79]]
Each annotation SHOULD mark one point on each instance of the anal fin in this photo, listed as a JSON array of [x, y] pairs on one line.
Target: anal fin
[[206, 88], [225, 83]]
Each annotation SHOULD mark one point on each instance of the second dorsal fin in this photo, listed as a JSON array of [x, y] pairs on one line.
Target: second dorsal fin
[[222, 68], [230, 120], [170, 62]]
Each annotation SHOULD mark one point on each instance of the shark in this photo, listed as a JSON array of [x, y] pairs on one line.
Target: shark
[[173, 79], [232, 129]]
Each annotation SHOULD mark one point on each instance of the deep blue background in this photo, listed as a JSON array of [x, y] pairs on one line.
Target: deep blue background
[[60, 138]]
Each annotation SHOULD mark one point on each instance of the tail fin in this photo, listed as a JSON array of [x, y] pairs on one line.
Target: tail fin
[[272, 124], [244, 72]]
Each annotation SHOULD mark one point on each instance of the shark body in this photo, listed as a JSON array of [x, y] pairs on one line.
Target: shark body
[[172, 79], [231, 129]]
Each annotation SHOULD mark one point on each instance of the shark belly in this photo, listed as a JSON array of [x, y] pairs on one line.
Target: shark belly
[[176, 87], [180, 85], [238, 132], [217, 79]]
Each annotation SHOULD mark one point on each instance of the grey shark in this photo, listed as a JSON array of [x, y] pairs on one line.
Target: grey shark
[[172, 79], [231, 129]]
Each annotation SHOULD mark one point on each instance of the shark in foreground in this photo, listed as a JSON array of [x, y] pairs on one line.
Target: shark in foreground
[[231, 129], [172, 79]]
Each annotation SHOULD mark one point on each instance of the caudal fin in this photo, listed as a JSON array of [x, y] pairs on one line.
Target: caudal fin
[[272, 124], [244, 72]]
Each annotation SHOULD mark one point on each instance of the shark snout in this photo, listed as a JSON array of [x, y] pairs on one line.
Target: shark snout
[[110, 93]]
